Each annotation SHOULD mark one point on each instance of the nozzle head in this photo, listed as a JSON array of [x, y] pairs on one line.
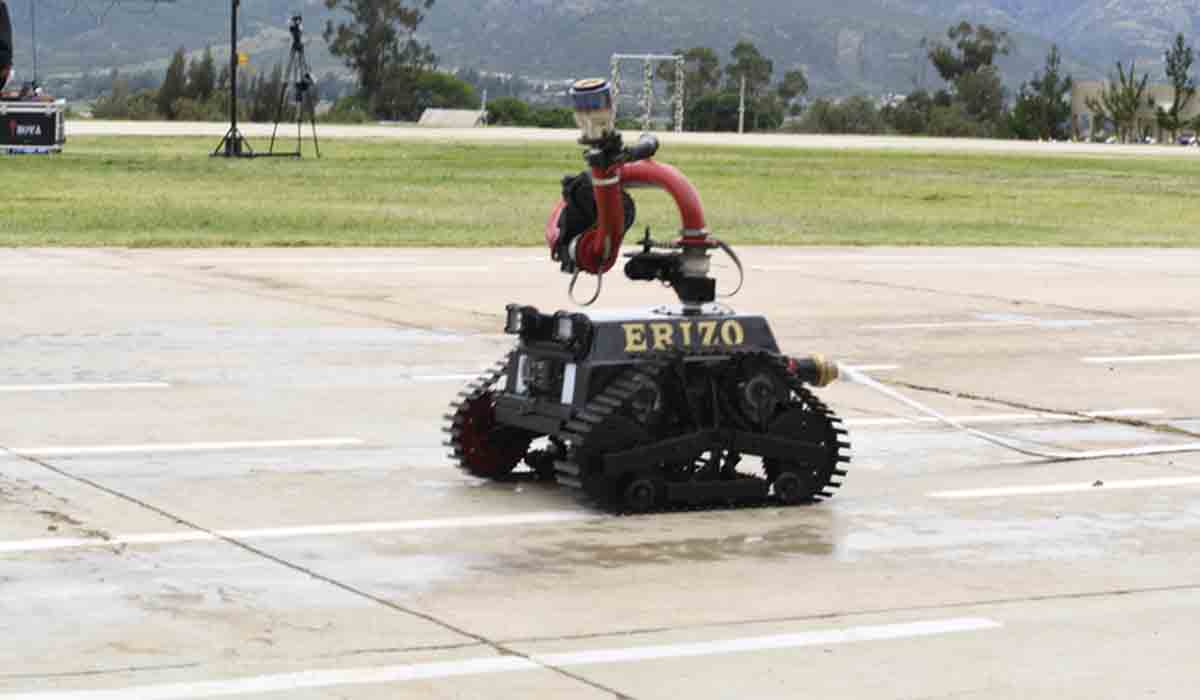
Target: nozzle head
[[594, 113]]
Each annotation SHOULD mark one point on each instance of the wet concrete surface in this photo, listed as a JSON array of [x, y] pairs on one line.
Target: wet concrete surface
[[159, 539]]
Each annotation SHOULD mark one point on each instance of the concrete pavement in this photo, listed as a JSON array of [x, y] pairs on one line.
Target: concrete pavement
[[223, 477]]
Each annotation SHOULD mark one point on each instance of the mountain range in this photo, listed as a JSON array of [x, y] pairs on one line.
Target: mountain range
[[845, 47]]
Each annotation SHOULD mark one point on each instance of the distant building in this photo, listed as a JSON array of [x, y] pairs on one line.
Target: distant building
[[453, 118], [1084, 122]]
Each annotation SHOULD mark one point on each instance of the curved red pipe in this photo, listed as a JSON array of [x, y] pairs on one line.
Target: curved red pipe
[[668, 177], [600, 246]]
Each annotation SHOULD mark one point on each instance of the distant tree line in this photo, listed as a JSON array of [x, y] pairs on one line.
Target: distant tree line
[[395, 76]]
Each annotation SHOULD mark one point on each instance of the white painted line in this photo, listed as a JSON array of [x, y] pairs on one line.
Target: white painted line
[[328, 678], [22, 388], [1097, 486], [1003, 418], [252, 260], [781, 641], [1131, 359], [47, 544], [63, 451], [1053, 323], [449, 268]]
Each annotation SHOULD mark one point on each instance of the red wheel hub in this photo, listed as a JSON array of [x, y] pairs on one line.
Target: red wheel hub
[[487, 449]]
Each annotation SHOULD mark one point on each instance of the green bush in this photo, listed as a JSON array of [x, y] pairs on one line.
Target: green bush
[[348, 110]]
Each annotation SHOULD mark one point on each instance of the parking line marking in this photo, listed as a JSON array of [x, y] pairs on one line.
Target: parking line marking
[[1096, 486], [327, 678], [252, 260], [84, 450], [47, 544], [22, 388], [1030, 323], [1131, 359], [1002, 418]]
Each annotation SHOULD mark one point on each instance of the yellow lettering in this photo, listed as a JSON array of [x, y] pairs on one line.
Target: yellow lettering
[[732, 333], [708, 333], [663, 333], [686, 328], [635, 337]]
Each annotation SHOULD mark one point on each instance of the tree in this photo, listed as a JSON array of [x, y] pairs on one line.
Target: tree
[[910, 116], [1043, 106], [794, 85], [1179, 60], [1121, 101], [977, 48], [854, 115], [407, 96], [507, 111], [202, 77], [750, 64], [714, 111], [701, 72], [174, 86], [378, 43], [264, 97], [967, 66], [981, 94]]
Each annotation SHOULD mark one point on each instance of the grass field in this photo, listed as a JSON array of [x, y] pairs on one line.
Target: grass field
[[168, 192]]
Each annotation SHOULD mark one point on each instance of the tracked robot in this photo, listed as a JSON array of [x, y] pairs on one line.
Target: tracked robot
[[677, 406]]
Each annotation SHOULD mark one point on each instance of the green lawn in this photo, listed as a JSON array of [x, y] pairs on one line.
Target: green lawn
[[168, 192]]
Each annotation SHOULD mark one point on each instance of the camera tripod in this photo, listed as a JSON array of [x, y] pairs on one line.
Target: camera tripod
[[299, 81]]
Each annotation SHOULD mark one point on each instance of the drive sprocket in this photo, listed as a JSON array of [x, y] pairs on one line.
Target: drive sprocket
[[809, 420], [479, 445]]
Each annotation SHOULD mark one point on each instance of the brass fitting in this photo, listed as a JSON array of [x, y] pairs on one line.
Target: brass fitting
[[815, 369]]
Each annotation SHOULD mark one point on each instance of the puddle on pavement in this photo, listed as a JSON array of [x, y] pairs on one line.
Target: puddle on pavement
[[585, 547]]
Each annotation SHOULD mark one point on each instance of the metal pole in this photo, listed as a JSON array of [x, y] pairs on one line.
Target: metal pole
[[647, 93], [616, 85], [679, 82], [742, 107], [233, 71], [33, 13]]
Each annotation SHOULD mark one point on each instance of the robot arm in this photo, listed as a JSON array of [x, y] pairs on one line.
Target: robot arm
[[6, 44]]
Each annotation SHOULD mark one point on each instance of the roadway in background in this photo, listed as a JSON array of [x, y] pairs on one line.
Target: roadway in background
[[216, 130]]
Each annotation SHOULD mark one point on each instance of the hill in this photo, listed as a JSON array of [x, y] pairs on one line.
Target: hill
[[845, 47]]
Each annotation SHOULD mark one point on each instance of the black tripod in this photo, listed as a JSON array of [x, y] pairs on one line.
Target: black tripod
[[299, 81]]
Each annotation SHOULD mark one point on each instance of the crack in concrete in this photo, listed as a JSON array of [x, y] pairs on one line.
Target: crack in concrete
[[1162, 428], [98, 671], [969, 295], [851, 614], [498, 647]]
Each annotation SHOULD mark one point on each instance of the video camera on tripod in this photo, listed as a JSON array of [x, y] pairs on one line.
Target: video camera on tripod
[[305, 81], [296, 27], [299, 79]]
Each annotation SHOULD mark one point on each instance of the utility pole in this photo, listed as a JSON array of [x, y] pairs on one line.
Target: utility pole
[[742, 107]]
